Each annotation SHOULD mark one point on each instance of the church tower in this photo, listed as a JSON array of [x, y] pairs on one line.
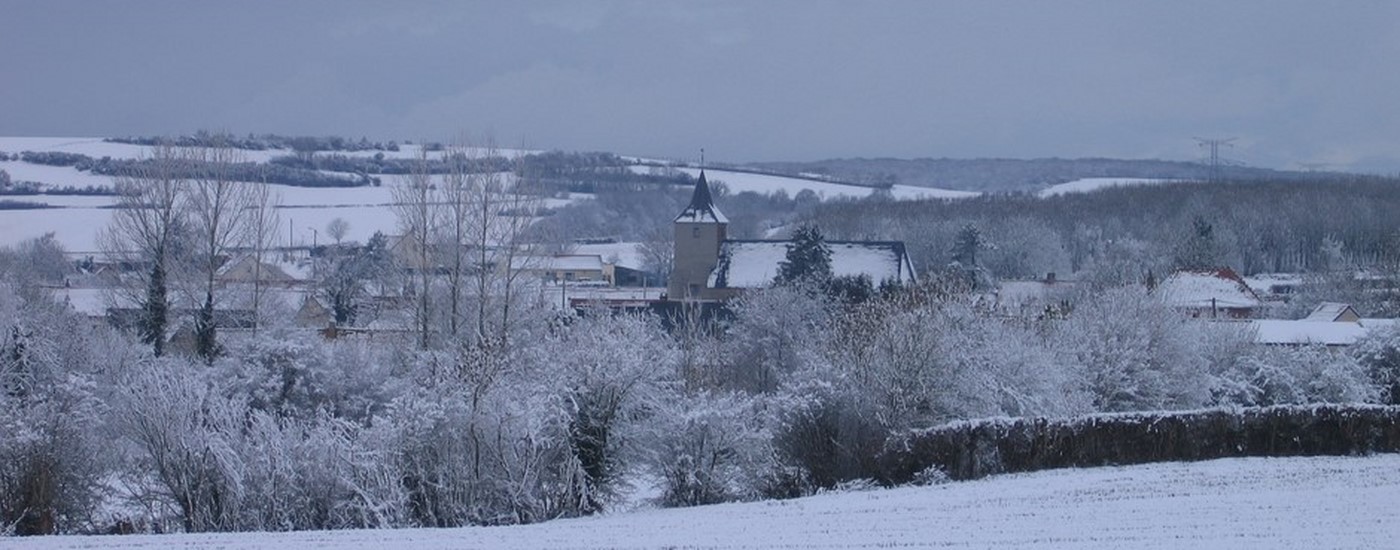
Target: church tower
[[699, 231]]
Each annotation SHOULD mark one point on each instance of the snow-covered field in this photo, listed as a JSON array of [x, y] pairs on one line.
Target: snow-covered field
[[1274, 503], [96, 148], [304, 211], [739, 182], [1086, 185]]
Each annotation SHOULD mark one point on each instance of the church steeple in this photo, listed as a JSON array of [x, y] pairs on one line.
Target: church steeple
[[702, 205]]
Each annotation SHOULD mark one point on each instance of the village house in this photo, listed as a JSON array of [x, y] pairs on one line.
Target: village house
[[1210, 294], [1330, 324], [565, 268]]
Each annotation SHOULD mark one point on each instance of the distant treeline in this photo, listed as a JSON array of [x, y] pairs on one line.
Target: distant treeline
[[244, 171], [1252, 226], [1018, 174], [380, 164], [263, 142], [22, 205]]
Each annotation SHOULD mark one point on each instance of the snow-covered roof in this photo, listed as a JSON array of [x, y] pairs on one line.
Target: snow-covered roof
[[92, 302], [626, 254], [1308, 331], [1276, 331], [1330, 312], [754, 264], [702, 206], [1209, 288], [563, 262]]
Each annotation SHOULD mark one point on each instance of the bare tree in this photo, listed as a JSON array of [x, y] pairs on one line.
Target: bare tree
[[416, 206], [457, 197], [146, 231], [261, 235], [337, 229], [220, 210]]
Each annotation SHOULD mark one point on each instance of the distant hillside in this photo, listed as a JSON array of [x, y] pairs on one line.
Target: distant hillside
[[1012, 174]]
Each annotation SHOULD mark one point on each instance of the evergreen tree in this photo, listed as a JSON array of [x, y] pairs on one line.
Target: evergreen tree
[[965, 246], [808, 257], [1199, 250], [964, 269]]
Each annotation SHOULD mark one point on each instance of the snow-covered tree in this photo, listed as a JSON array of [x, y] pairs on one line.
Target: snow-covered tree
[[1134, 352], [149, 228], [775, 332], [712, 448], [52, 455], [612, 372]]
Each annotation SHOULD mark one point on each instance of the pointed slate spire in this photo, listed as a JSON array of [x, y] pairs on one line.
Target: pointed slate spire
[[702, 205]]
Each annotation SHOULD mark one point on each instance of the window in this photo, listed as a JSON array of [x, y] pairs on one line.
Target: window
[[694, 289], [695, 232]]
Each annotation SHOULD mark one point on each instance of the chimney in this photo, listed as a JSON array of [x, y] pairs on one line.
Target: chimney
[[1050, 278]]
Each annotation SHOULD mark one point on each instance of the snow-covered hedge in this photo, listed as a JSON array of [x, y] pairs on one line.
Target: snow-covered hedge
[[973, 449]]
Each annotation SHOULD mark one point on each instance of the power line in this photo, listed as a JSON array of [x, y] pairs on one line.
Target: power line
[[1215, 161]]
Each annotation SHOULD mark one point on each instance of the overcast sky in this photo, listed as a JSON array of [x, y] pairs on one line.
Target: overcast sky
[[1294, 82]]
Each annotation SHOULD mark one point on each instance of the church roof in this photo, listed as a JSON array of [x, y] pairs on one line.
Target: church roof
[[702, 206], [754, 264]]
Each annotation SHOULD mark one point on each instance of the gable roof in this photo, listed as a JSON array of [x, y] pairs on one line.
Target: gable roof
[[1221, 288], [1332, 312], [754, 264], [702, 206]]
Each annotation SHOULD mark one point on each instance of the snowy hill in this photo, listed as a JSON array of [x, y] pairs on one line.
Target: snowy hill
[[1274, 503], [76, 220], [739, 182], [1086, 185], [764, 184]]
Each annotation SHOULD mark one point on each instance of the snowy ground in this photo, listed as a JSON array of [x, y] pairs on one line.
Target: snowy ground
[[1086, 185], [739, 182], [96, 148], [1327, 502], [304, 211]]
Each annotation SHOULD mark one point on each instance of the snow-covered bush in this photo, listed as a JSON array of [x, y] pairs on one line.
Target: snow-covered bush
[[613, 374], [185, 434], [823, 433], [1134, 352], [1379, 353], [298, 375], [775, 332], [52, 454], [940, 360], [713, 448], [51, 461], [314, 473], [503, 461], [1287, 375]]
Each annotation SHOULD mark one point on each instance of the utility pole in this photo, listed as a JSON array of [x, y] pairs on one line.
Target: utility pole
[[1214, 160]]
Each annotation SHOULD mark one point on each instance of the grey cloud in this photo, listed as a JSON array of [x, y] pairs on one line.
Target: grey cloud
[[1295, 81]]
